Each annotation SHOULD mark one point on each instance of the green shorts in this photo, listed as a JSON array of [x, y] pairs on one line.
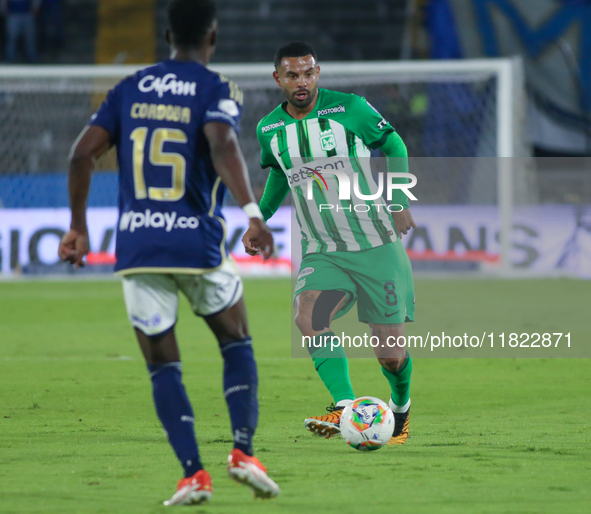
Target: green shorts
[[378, 279]]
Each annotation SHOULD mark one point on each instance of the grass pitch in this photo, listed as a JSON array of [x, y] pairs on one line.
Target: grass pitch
[[78, 431]]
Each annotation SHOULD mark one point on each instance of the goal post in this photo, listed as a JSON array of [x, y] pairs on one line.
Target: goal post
[[445, 109]]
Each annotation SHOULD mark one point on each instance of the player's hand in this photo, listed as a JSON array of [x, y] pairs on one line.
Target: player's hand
[[258, 239], [248, 244], [73, 247], [403, 221]]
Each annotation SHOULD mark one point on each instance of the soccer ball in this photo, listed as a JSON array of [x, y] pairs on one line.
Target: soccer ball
[[367, 424]]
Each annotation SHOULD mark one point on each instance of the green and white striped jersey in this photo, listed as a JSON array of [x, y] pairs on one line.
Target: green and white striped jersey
[[314, 154]]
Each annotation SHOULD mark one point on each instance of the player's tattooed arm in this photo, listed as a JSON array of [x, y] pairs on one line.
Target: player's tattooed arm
[[90, 145], [230, 166]]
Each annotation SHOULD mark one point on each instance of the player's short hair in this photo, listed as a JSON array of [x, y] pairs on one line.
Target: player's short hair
[[294, 49], [190, 20]]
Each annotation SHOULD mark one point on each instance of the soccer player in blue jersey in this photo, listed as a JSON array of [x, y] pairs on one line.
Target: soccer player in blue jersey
[[175, 128]]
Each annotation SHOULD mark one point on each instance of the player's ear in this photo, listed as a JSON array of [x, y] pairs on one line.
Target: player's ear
[[212, 33], [276, 77]]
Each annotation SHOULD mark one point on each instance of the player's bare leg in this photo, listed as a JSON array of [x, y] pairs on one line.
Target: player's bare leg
[[160, 349], [396, 367], [162, 356], [230, 327], [230, 324], [315, 311]]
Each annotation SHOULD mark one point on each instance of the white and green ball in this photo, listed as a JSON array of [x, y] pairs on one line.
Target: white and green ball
[[367, 423]]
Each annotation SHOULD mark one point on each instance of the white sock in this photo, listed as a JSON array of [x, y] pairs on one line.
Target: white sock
[[395, 408], [344, 403]]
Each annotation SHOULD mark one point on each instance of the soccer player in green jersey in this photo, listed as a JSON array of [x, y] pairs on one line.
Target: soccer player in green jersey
[[316, 143]]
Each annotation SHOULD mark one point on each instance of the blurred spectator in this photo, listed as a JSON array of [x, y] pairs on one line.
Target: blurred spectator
[[20, 21], [51, 28]]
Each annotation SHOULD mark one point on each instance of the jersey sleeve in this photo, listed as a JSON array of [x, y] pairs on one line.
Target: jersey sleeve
[[371, 127], [397, 162], [109, 114], [267, 157], [224, 105], [276, 189]]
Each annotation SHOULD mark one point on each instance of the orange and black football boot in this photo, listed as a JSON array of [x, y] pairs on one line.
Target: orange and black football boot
[[400, 434], [328, 425]]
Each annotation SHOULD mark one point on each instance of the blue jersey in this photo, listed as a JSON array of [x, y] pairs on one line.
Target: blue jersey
[[20, 6], [170, 196]]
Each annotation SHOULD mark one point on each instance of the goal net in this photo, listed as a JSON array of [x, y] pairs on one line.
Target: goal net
[[462, 122]]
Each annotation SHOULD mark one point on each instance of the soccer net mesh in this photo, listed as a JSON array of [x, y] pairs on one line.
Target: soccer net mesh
[[449, 112], [456, 119]]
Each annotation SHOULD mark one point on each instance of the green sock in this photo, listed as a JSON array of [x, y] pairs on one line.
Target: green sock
[[400, 382], [333, 368]]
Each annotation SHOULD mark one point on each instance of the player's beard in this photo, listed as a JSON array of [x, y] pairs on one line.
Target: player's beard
[[305, 102]]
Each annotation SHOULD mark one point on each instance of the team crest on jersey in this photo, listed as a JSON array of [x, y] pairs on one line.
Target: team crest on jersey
[[327, 140]]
